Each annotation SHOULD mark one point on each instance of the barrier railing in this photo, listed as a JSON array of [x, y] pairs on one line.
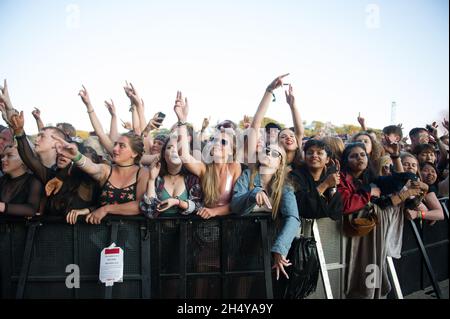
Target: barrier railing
[[187, 257], [228, 257]]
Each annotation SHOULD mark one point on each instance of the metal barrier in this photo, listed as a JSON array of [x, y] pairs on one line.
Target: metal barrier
[[425, 249], [228, 257]]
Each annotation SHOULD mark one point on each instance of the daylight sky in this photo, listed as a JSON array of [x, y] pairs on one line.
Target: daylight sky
[[343, 57]]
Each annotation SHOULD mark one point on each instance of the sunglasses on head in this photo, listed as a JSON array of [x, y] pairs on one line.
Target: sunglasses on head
[[273, 153], [223, 141]]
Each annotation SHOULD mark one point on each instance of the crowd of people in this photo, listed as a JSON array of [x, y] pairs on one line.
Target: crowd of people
[[233, 170]]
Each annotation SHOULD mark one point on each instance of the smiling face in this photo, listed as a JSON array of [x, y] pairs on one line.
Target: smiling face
[[123, 154], [288, 140], [11, 161], [316, 158], [357, 160], [428, 174], [427, 156], [365, 139]]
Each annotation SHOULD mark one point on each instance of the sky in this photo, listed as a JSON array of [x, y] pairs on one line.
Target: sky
[[343, 57]]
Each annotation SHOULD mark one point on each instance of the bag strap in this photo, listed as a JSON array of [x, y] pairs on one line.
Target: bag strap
[[302, 229]]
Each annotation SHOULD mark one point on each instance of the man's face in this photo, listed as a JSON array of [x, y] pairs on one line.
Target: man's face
[[420, 138], [44, 142]]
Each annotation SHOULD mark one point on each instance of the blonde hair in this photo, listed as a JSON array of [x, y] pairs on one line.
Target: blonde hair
[[383, 161], [276, 183], [210, 180]]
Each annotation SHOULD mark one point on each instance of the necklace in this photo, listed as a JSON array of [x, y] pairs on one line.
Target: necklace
[[177, 173], [125, 165]]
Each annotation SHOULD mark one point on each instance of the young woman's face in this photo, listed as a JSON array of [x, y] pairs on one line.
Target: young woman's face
[[386, 169], [427, 156], [316, 158], [11, 160], [221, 147], [156, 147], [429, 174], [366, 141], [357, 160], [287, 140], [270, 156], [171, 154], [410, 164], [122, 151]]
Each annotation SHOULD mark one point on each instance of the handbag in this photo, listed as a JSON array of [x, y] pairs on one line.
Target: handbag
[[362, 225], [304, 271]]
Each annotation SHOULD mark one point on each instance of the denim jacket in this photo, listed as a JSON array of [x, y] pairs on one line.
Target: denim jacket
[[244, 200]]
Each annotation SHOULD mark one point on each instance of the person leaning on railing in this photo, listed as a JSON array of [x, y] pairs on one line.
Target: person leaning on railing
[[171, 189], [66, 187], [263, 188], [315, 183], [358, 193], [122, 184]]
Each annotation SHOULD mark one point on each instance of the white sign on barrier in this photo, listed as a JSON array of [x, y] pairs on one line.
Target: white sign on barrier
[[111, 265]]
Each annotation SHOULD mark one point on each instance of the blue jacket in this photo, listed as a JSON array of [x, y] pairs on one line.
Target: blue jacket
[[244, 200]]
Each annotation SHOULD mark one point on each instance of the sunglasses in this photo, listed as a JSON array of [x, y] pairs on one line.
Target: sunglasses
[[273, 153], [225, 125], [224, 142]]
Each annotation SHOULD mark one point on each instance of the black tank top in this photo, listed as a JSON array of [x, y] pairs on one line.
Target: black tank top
[[112, 195]]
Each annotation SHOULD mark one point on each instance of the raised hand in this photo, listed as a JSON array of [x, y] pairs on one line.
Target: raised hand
[[361, 120], [181, 107], [111, 107], [4, 96], [275, 84], [445, 124], [132, 94], [83, 93], [290, 97], [205, 123], [246, 122], [36, 113], [17, 123], [63, 148], [392, 148], [127, 125]]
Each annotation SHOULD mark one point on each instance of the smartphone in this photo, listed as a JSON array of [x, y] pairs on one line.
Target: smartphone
[[430, 129], [163, 205], [162, 115]]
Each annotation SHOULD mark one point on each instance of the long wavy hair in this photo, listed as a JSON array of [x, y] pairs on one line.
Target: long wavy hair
[[210, 180], [276, 184]]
